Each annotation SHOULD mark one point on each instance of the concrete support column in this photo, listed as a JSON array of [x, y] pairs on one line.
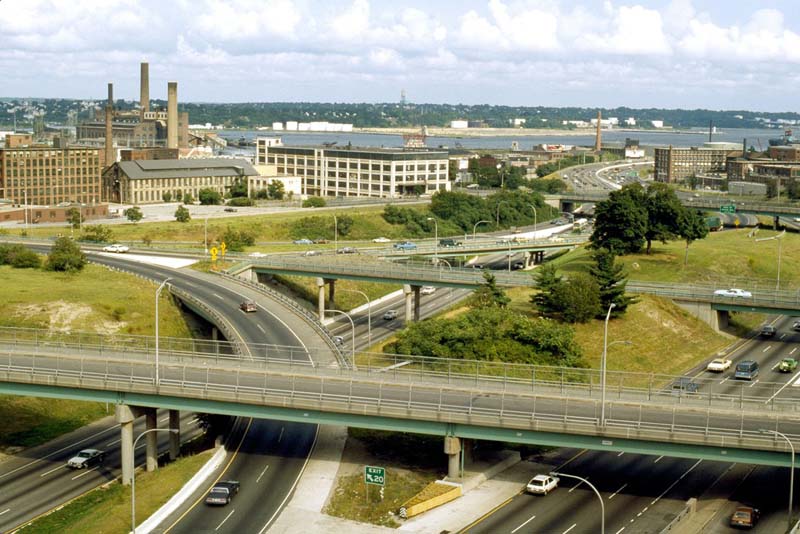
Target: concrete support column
[[331, 292], [214, 333], [452, 448], [409, 300], [151, 439], [174, 437], [416, 302], [722, 319], [321, 298], [124, 416]]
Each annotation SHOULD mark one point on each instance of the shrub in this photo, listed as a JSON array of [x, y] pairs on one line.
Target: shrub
[[240, 201], [182, 214], [314, 202], [97, 233], [65, 256]]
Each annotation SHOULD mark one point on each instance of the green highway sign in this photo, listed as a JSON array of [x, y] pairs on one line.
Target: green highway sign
[[728, 208], [374, 475]]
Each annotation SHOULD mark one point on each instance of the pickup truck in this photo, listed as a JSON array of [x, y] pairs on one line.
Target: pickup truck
[[222, 492]]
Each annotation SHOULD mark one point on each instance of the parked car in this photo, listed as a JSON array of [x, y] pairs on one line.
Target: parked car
[[347, 250], [719, 365], [303, 241], [405, 245], [796, 325], [427, 290], [222, 492], [787, 365], [746, 370], [390, 315], [86, 458], [449, 243], [684, 385], [248, 306], [767, 330], [116, 247], [733, 293], [381, 240], [542, 484], [745, 516], [230, 210]]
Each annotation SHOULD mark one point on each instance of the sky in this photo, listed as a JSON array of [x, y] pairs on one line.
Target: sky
[[713, 54]]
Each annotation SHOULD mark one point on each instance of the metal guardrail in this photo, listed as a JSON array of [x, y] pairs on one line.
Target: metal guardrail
[[762, 295]]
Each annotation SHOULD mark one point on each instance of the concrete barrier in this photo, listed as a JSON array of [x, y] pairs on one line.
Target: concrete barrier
[[434, 494]]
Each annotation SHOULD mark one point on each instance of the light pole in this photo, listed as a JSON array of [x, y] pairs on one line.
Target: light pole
[[335, 234], [791, 473], [779, 239], [158, 293], [475, 227], [205, 235], [534, 219], [353, 326], [369, 313], [133, 473], [602, 505], [603, 365], [435, 239], [497, 222]]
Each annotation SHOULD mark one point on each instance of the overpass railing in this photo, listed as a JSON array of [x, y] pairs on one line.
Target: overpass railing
[[762, 293]]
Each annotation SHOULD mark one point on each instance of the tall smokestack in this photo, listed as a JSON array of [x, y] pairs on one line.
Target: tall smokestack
[[144, 88], [172, 115], [598, 141], [109, 131], [110, 94]]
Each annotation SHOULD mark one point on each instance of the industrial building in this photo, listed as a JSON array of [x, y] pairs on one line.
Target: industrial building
[[678, 164], [359, 172], [146, 181]]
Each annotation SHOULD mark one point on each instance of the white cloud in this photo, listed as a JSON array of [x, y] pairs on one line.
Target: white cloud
[[236, 20], [518, 27], [634, 30]]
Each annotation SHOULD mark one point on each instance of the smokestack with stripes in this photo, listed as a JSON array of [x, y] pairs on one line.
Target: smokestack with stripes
[[172, 115], [598, 144], [144, 89], [109, 152]]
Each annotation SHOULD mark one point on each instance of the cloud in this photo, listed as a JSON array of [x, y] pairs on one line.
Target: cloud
[[634, 30]]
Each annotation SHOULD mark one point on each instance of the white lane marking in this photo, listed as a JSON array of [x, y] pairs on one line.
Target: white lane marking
[[657, 459], [754, 383], [792, 351], [111, 444], [218, 296], [794, 381], [570, 528], [52, 470], [165, 419], [4, 511], [673, 484], [261, 328], [573, 488], [775, 366], [766, 349], [85, 473], [280, 435], [724, 380], [261, 475], [223, 521], [620, 454], [620, 489], [193, 421], [620, 530], [523, 524], [782, 336]]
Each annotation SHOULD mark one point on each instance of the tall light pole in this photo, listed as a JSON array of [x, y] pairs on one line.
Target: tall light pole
[[335, 234], [158, 293], [435, 239], [475, 227], [779, 239], [602, 505], [791, 473], [133, 473], [603, 368], [205, 235], [497, 222], [353, 326], [535, 219], [369, 313]]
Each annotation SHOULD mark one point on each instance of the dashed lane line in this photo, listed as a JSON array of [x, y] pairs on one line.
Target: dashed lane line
[[620, 489], [223, 521], [531, 518], [52, 471], [76, 477], [261, 475]]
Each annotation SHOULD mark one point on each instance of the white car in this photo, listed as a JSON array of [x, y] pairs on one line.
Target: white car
[[733, 293], [257, 255], [86, 458], [381, 240], [542, 484], [718, 365], [427, 290], [116, 247]]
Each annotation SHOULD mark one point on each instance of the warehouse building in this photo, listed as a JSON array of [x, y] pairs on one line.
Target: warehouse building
[[678, 164]]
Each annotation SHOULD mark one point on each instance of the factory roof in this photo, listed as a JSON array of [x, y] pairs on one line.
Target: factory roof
[[186, 168]]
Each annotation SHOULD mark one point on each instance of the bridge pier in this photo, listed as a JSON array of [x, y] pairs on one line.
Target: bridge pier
[[416, 302], [716, 319], [409, 295], [151, 439], [321, 295], [125, 415], [452, 448], [174, 437]]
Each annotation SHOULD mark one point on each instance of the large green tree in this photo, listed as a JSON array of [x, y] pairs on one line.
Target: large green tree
[[488, 294], [65, 255], [209, 197], [621, 221], [663, 211], [691, 227], [74, 218], [611, 280], [578, 298], [134, 214], [546, 282]]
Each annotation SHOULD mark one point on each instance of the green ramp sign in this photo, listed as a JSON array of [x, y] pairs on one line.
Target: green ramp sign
[[374, 475]]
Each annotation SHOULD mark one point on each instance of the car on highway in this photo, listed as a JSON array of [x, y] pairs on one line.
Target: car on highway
[[303, 241], [347, 250], [390, 315], [787, 365], [745, 517], [230, 210], [116, 247], [517, 265], [449, 243], [767, 330], [86, 458], [796, 325], [222, 492], [719, 365], [405, 245], [427, 290], [257, 255], [733, 293], [746, 370], [542, 484], [381, 240], [248, 306], [684, 385], [311, 253], [320, 241]]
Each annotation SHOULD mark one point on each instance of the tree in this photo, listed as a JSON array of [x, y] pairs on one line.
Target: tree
[[663, 210], [74, 218], [276, 190], [97, 233], [578, 299], [314, 202], [65, 256], [611, 280], [239, 189], [621, 221], [134, 214], [488, 294], [344, 223], [166, 197], [237, 240], [691, 227], [182, 214], [19, 257], [546, 282], [209, 197], [187, 198]]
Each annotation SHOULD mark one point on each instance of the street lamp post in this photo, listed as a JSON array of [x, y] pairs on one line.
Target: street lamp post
[[205, 235], [535, 221], [133, 473], [791, 473], [158, 293], [497, 222], [475, 227], [779, 239], [435, 239], [369, 313], [602, 505], [603, 368], [335, 234], [353, 326], [502, 178]]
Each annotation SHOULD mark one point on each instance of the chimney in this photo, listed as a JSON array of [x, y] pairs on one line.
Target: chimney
[[109, 130], [172, 115], [598, 142], [110, 94], [144, 89]]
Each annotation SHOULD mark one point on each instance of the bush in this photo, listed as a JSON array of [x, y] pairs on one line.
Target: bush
[[134, 214], [182, 214], [240, 201], [237, 240], [187, 198], [65, 256], [19, 257], [314, 202], [209, 197], [167, 197], [97, 233]]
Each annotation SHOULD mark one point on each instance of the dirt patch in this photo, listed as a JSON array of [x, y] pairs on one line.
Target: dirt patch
[[61, 316]]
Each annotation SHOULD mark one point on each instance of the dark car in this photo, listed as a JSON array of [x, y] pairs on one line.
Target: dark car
[[230, 210], [517, 265], [248, 306], [745, 517], [767, 330], [222, 492], [449, 243], [684, 385]]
